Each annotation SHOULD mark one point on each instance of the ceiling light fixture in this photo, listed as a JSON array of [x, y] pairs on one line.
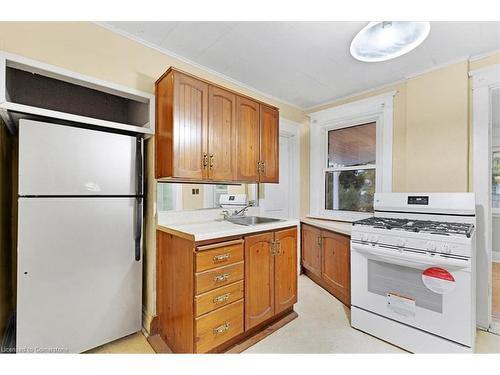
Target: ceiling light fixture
[[385, 40]]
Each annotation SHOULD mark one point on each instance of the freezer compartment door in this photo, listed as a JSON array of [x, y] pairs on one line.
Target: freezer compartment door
[[64, 160], [79, 284]]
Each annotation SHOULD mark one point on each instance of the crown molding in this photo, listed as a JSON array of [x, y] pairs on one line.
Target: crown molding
[[185, 60], [484, 55]]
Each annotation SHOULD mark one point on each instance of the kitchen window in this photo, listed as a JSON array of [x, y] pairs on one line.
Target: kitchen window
[[350, 158], [351, 168]]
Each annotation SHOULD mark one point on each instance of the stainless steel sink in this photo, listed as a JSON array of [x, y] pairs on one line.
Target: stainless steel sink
[[252, 220]]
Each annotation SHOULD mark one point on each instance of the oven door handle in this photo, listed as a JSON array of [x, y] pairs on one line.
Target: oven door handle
[[407, 259]]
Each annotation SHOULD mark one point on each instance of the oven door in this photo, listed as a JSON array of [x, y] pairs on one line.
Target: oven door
[[429, 293]]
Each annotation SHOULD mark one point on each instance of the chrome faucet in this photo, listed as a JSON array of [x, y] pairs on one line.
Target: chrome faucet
[[240, 212]]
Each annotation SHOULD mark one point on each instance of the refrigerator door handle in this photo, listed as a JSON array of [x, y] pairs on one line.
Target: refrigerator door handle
[[138, 208]]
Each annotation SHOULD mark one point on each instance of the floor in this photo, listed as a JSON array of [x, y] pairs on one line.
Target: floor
[[322, 327]]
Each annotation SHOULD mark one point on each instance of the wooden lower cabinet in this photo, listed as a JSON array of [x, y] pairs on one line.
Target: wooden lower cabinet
[[270, 275], [213, 296], [215, 328], [259, 279], [326, 259]]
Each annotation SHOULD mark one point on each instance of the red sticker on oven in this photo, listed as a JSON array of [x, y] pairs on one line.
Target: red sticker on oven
[[438, 280]]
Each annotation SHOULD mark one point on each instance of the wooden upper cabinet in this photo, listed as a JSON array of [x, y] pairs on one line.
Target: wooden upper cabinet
[[285, 268], [207, 133], [336, 265], [182, 119], [269, 144], [221, 134], [248, 139], [311, 249], [259, 279], [190, 127]]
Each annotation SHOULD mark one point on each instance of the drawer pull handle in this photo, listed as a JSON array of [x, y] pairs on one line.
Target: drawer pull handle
[[222, 298], [222, 277], [221, 329], [221, 257]]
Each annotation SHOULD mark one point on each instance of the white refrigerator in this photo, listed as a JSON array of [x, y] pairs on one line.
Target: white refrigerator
[[79, 251]]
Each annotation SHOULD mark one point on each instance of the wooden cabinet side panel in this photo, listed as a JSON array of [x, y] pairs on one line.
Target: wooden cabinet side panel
[[269, 144], [311, 249], [190, 127], [222, 133], [285, 270], [164, 126], [259, 279], [336, 265], [247, 141], [174, 291]]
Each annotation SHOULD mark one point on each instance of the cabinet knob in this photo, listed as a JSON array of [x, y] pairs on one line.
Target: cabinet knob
[[211, 161], [221, 257], [204, 160], [221, 329], [222, 298], [222, 277]]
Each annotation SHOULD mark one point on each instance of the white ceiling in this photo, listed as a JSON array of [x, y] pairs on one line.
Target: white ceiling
[[306, 63]]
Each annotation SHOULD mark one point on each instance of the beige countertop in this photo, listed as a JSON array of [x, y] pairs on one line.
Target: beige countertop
[[212, 229], [335, 226]]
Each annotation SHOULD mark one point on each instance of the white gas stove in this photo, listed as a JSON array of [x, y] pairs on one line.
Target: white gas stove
[[413, 271]]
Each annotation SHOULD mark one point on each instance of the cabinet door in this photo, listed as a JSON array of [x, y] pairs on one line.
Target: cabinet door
[[221, 133], [259, 279], [269, 144], [311, 249], [247, 143], [336, 265], [190, 127], [285, 270]]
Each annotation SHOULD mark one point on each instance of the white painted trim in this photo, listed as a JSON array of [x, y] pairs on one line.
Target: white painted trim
[[185, 60], [377, 109], [487, 76], [291, 130], [495, 256], [437, 67], [33, 66], [400, 81], [334, 102], [483, 80], [481, 56]]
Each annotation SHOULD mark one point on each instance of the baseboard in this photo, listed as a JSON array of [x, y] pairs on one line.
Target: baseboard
[[496, 256], [148, 322], [255, 335]]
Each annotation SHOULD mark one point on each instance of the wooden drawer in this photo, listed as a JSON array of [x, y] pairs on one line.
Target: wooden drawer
[[215, 328], [219, 297], [218, 277], [217, 255]]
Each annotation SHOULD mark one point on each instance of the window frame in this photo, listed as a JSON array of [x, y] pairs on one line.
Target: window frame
[[378, 109]]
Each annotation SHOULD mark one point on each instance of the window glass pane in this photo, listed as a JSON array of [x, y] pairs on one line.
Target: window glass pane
[[495, 201], [495, 143], [350, 190], [164, 197], [352, 146]]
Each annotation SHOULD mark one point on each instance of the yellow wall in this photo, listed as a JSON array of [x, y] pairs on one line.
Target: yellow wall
[[90, 49], [431, 116], [431, 143]]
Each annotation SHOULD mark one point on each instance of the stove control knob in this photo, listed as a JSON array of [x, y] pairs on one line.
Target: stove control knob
[[431, 246], [446, 248]]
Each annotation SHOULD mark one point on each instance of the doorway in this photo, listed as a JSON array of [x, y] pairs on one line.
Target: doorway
[[486, 179], [282, 200]]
